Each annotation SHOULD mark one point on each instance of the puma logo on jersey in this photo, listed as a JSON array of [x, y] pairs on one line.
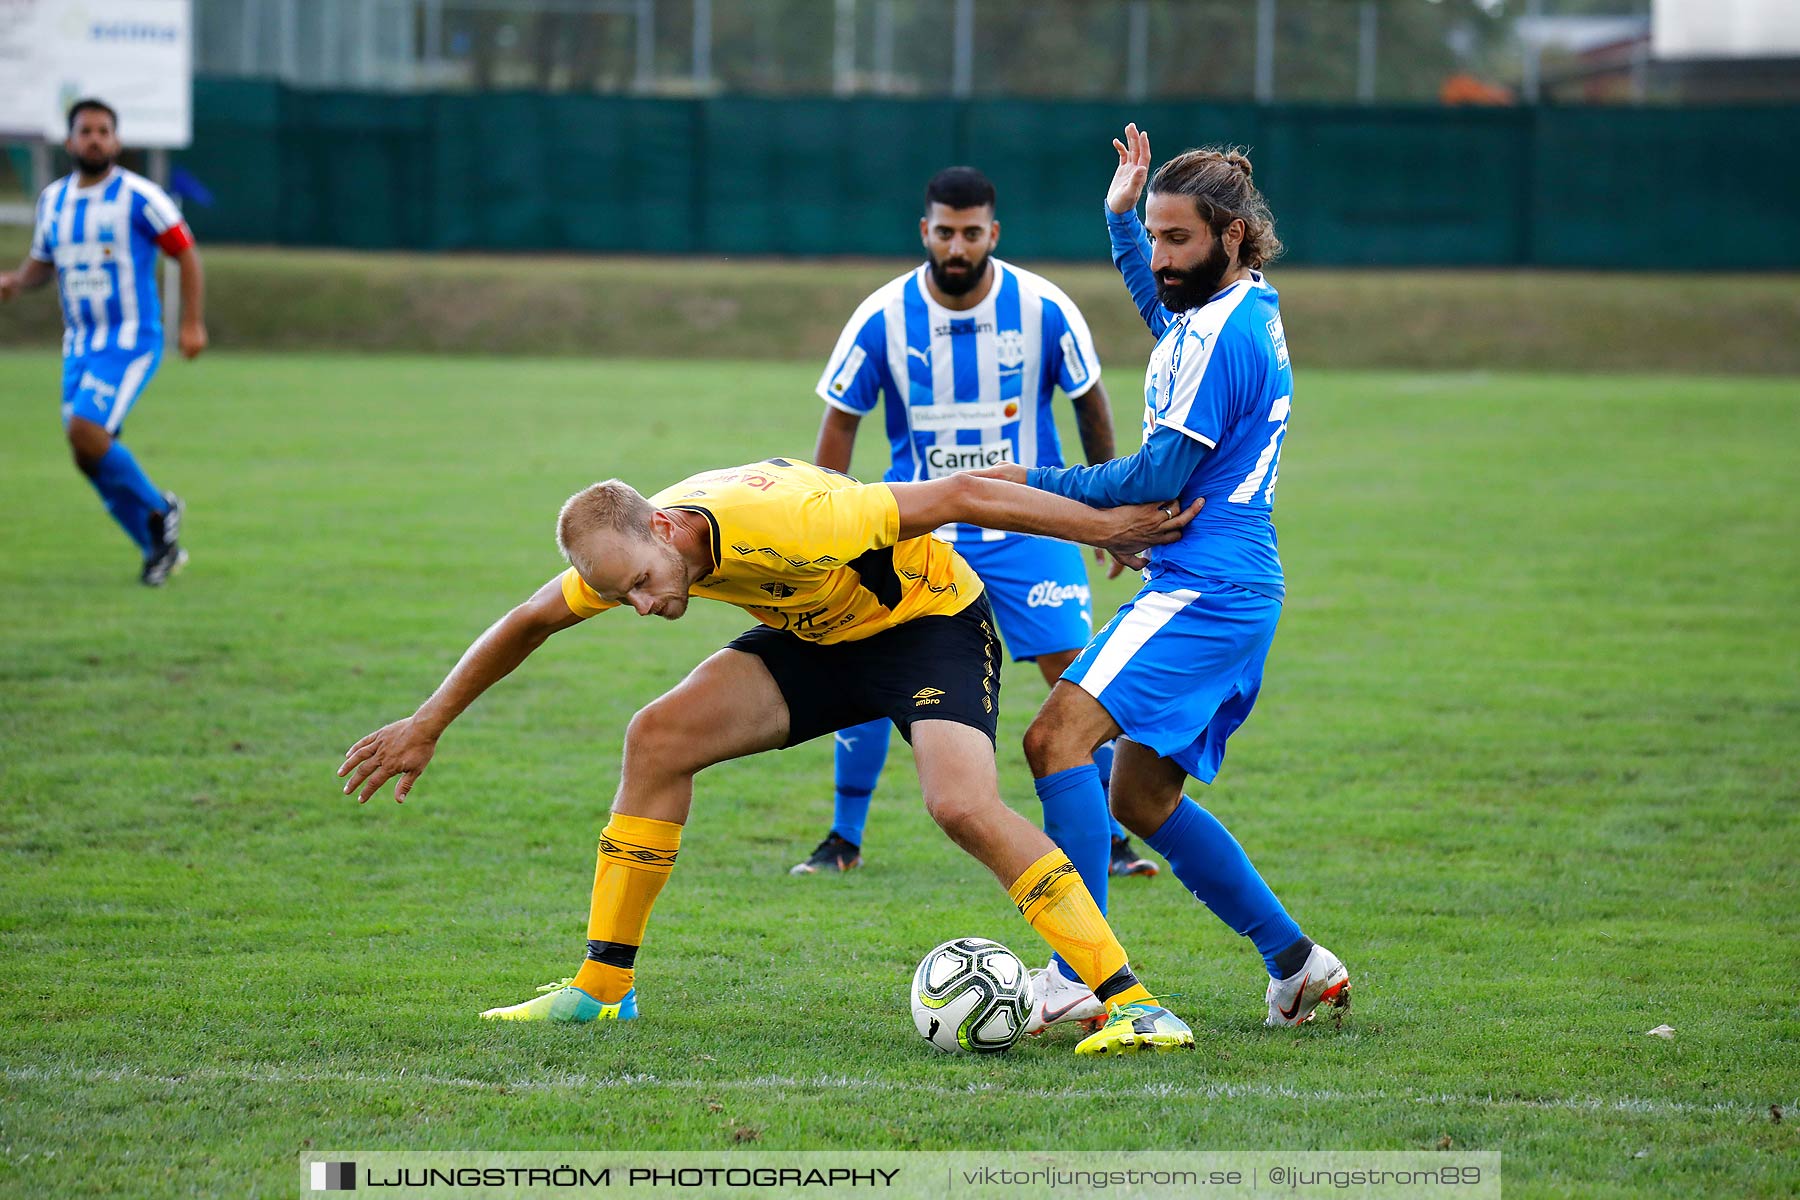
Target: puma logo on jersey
[[924, 355]]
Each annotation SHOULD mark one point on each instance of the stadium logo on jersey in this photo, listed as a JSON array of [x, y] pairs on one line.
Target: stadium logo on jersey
[[1278, 335], [1051, 594], [780, 591], [948, 460], [1009, 349], [963, 326]]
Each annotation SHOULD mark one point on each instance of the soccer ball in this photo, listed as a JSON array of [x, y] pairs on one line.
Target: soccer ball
[[971, 994]]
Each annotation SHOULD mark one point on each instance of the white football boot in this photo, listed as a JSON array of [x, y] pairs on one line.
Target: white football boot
[[1323, 980], [1056, 998]]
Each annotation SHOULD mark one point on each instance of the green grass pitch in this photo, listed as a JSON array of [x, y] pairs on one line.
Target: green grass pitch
[[1525, 758]]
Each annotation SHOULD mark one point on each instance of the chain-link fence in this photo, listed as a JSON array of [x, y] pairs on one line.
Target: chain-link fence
[[1342, 51]]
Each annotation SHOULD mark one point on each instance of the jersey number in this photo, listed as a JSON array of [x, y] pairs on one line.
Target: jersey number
[[1268, 463]]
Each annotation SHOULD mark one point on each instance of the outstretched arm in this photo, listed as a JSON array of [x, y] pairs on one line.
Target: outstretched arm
[[1130, 248], [998, 504], [1162, 467], [405, 747]]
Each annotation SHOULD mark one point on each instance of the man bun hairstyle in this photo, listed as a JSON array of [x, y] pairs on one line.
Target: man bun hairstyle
[[92, 104], [611, 504], [960, 187], [1217, 179]]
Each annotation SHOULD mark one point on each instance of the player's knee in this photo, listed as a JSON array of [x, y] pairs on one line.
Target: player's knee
[[1133, 812], [88, 443], [957, 814], [1045, 747], [658, 740]]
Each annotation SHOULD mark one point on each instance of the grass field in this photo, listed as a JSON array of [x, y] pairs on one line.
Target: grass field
[[285, 300], [1525, 758]]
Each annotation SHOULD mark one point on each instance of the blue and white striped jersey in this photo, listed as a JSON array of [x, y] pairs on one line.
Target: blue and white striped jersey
[[964, 389], [1220, 374], [103, 241]]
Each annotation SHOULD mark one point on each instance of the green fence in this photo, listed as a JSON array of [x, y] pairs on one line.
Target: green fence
[[1584, 187]]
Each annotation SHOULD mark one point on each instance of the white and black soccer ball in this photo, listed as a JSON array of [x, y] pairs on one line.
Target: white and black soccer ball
[[971, 994]]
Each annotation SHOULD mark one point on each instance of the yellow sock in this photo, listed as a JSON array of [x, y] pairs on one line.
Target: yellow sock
[[636, 856], [1051, 896]]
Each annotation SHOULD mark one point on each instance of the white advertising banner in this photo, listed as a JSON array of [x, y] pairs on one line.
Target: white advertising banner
[[1725, 28], [136, 55]]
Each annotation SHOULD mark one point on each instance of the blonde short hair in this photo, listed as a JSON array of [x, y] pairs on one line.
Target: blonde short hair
[[611, 504]]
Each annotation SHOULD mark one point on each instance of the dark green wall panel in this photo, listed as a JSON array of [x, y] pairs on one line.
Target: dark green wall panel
[[1368, 186]]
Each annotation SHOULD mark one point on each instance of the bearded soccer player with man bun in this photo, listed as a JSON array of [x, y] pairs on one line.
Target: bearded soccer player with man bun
[[1178, 669]]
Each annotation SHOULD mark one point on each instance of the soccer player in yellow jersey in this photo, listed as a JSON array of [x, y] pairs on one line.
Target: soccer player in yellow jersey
[[862, 615]]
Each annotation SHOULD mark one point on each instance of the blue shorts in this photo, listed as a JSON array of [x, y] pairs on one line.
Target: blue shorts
[[1179, 669], [1039, 590], [102, 387]]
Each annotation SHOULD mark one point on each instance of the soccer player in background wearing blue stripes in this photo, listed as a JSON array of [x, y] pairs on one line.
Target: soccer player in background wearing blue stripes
[[969, 350], [1177, 670], [97, 233]]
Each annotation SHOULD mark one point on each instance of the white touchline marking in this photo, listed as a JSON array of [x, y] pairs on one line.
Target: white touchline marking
[[576, 1082]]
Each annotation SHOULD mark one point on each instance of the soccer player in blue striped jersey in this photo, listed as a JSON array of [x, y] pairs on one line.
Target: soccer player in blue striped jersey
[[97, 233], [1177, 670], [968, 351]]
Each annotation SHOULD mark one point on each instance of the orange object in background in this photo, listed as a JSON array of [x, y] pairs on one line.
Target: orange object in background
[[1466, 89]]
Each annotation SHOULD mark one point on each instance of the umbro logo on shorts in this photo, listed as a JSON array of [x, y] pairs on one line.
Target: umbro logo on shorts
[[926, 695]]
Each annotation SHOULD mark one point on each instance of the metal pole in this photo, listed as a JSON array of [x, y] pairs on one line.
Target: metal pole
[[288, 32], [433, 13], [703, 39], [251, 36], [843, 48], [884, 44], [40, 168], [402, 66], [1265, 51], [1530, 83], [367, 14], [1137, 50], [1640, 62], [962, 78], [646, 45], [328, 43], [1365, 53]]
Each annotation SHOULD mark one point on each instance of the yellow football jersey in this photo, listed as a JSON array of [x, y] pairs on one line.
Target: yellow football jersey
[[809, 551]]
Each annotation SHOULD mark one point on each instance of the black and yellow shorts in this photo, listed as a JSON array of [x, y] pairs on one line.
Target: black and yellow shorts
[[929, 669]]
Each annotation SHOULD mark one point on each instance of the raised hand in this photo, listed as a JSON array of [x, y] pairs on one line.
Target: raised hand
[[1133, 172]]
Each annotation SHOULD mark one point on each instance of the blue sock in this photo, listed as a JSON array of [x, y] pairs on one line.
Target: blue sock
[[128, 493], [1103, 758], [1210, 863], [860, 754], [1075, 818]]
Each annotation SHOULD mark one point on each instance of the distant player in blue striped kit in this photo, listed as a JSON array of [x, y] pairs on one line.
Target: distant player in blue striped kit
[[1177, 670], [97, 233]]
